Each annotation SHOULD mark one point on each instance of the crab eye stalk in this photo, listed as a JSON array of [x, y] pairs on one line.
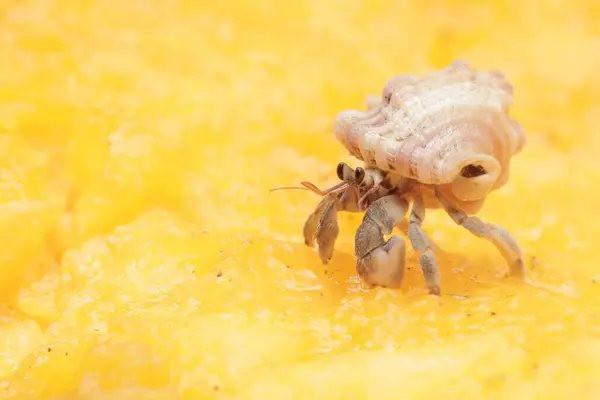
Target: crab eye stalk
[[359, 175]]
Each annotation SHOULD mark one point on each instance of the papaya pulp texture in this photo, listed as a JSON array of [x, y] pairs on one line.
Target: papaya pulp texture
[[143, 256]]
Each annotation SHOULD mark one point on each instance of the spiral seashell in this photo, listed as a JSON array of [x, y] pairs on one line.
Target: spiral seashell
[[448, 127]]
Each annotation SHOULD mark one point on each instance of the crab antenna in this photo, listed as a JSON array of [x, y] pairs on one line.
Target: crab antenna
[[340, 187], [313, 188], [289, 188]]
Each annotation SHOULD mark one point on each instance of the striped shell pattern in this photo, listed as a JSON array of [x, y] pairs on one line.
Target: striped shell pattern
[[448, 127]]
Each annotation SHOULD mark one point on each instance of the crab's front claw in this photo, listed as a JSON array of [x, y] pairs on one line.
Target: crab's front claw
[[385, 265], [381, 263]]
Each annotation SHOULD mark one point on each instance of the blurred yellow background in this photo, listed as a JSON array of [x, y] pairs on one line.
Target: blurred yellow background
[[143, 255]]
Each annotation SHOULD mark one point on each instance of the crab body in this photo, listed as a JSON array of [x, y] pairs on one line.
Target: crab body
[[442, 139]]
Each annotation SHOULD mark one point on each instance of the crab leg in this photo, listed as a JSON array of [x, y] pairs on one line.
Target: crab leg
[[496, 234], [322, 224], [312, 222], [421, 244]]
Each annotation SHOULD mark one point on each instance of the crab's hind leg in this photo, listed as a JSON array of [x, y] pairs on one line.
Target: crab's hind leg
[[322, 224], [381, 263], [422, 245], [496, 234]]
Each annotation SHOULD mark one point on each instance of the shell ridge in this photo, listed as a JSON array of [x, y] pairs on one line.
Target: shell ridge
[[421, 119]]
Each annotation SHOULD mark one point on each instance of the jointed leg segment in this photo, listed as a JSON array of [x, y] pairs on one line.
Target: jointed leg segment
[[322, 223], [421, 244], [499, 236]]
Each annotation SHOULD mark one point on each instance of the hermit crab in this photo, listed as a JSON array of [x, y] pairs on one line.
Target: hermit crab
[[443, 139]]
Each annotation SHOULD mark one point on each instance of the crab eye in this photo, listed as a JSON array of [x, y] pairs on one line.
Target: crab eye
[[359, 175], [340, 171]]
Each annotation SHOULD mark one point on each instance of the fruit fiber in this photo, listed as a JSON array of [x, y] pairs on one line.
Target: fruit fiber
[[143, 256]]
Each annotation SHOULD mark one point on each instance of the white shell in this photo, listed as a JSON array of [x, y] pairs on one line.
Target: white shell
[[429, 127]]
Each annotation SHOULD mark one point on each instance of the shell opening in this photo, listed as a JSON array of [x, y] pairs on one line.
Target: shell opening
[[477, 177], [472, 171]]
